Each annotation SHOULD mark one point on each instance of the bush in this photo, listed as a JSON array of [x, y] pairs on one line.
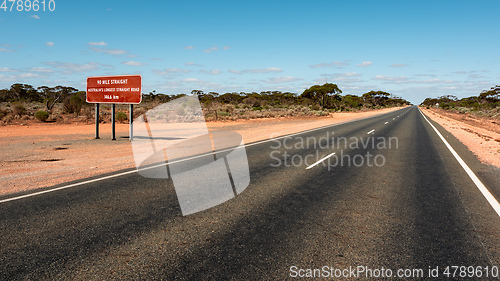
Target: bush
[[223, 113], [42, 115], [18, 109], [463, 110], [121, 116], [73, 104], [444, 105], [252, 102], [3, 113]]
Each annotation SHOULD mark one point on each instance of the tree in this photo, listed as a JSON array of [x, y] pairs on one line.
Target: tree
[[376, 97], [21, 91], [5, 95], [49, 96], [322, 94]]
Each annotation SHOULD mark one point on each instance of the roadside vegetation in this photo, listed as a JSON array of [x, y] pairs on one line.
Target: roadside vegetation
[[486, 104], [23, 102]]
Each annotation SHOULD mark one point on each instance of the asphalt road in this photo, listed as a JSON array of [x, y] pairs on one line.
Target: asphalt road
[[416, 211]]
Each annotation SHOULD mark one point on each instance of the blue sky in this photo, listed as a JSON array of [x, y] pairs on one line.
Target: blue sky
[[413, 49]]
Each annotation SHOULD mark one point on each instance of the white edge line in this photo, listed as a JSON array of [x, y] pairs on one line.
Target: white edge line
[[486, 193], [319, 161], [190, 158], [370, 132]]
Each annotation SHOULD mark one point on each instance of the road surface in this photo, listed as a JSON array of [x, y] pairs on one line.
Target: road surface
[[410, 208]]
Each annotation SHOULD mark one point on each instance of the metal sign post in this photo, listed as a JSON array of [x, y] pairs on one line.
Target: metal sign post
[[113, 122], [131, 122], [97, 121]]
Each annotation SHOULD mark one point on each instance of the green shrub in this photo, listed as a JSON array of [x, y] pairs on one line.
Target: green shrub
[[3, 113], [42, 115], [444, 105], [74, 103], [18, 108], [223, 113], [121, 116]]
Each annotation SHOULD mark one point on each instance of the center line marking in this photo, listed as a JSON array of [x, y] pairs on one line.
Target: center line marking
[[386, 123], [321, 160], [370, 132]]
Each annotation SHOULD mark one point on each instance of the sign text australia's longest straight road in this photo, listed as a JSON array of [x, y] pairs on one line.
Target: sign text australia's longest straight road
[[114, 89]]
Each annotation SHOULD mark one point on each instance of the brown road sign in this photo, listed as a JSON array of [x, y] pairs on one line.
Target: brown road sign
[[114, 89]]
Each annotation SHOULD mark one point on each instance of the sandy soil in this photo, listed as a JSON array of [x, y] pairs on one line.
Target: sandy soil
[[39, 155], [481, 136]]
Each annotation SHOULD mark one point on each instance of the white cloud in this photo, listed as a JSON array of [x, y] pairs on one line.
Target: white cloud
[[19, 77], [226, 47], [114, 52], [41, 69], [330, 64], [190, 80], [347, 74], [193, 64], [6, 50], [6, 69], [257, 70], [35, 17], [133, 63], [100, 43], [476, 76], [341, 77], [50, 44], [436, 81], [212, 72], [283, 79], [201, 84], [393, 79], [170, 71], [189, 47], [70, 68], [398, 65], [365, 64], [408, 80], [426, 75], [348, 79], [211, 49]]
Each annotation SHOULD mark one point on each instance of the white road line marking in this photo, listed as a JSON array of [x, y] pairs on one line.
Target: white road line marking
[[319, 161], [386, 123], [159, 165], [486, 193], [370, 132], [393, 118]]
